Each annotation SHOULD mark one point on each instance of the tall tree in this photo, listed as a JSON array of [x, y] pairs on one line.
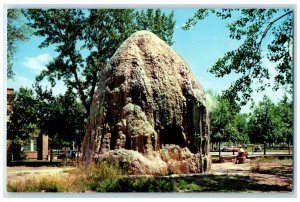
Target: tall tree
[[261, 124], [223, 128], [283, 118], [85, 41], [17, 31], [264, 33], [240, 123]]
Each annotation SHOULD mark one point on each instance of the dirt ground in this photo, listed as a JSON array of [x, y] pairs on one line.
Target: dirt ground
[[263, 173]]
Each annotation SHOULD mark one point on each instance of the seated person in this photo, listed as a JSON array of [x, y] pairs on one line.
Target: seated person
[[241, 154]]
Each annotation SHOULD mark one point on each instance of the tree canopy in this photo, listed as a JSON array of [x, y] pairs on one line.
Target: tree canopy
[[22, 124], [264, 33]]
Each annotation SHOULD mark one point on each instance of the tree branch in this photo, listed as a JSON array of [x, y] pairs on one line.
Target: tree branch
[[94, 83], [79, 86], [270, 25]]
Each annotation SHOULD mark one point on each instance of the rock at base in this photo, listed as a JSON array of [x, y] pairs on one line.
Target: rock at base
[[171, 159]]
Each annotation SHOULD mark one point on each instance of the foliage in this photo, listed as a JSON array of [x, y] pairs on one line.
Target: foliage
[[261, 123], [264, 33], [226, 124], [22, 124], [17, 31], [61, 117], [103, 170], [271, 123], [283, 118], [85, 40], [186, 186], [157, 22], [240, 123]]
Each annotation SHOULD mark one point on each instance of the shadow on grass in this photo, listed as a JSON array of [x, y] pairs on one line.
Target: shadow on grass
[[281, 171], [204, 183], [231, 183], [35, 163]]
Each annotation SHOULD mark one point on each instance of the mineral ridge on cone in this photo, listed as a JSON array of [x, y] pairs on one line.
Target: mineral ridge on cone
[[149, 111]]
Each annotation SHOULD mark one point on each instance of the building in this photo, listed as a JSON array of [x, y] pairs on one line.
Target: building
[[37, 147], [10, 99]]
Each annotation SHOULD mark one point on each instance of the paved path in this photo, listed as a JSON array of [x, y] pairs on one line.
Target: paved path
[[22, 172]]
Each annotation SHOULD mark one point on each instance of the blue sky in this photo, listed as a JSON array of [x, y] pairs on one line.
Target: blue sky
[[200, 46]]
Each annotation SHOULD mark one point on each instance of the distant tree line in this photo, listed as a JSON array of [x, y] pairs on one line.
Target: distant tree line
[[267, 123]]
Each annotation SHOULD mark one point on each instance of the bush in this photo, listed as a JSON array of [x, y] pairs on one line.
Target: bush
[[102, 171], [186, 186]]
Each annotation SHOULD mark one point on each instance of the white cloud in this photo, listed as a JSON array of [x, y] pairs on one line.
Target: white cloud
[[37, 63], [59, 88], [23, 81]]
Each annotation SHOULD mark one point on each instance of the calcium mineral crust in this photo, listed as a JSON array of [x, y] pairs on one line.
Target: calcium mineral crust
[[147, 101]]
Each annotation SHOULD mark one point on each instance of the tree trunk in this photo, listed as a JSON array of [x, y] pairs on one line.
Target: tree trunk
[[265, 148], [51, 150], [219, 149], [289, 148]]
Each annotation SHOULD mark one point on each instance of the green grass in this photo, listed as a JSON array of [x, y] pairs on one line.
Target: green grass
[[141, 184]]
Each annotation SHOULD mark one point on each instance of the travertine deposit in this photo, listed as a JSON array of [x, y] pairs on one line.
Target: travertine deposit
[[146, 100]]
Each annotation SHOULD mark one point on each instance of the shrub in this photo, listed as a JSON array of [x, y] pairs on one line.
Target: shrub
[[95, 175], [183, 185], [102, 171]]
